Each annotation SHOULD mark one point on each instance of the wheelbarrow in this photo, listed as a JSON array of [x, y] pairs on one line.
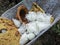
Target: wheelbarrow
[[49, 6]]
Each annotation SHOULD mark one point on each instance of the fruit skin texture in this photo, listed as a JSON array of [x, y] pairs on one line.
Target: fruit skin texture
[[21, 13], [11, 36]]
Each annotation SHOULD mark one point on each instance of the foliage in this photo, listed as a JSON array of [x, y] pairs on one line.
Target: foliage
[[56, 28]]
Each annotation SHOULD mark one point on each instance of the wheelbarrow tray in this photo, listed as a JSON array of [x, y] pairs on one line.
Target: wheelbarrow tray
[[49, 6]]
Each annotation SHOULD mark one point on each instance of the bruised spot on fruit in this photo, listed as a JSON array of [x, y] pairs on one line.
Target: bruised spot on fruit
[[17, 33]]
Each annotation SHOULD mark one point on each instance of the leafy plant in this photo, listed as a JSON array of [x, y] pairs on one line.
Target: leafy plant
[[56, 28]]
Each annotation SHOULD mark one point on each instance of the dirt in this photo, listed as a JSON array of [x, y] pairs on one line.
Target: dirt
[[50, 37]]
